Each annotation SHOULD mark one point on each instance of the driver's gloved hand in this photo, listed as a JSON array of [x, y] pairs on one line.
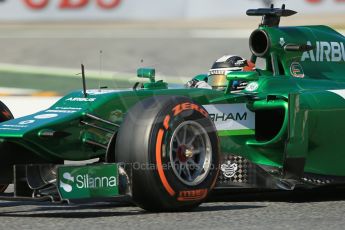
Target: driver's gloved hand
[[194, 83]]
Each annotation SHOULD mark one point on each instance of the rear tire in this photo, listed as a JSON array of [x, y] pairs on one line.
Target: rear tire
[[5, 115], [172, 146]]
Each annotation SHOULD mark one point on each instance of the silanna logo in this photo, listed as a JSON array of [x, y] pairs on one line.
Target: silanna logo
[[325, 52], [71, 4], [86, 181]]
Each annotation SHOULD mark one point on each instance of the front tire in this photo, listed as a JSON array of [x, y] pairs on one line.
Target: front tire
[[5, 115], [172, 146]]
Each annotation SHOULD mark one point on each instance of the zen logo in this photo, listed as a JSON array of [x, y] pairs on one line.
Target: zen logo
[[325, 51]]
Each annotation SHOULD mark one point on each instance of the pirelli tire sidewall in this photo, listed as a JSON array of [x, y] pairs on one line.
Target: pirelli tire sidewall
[[153, 121]]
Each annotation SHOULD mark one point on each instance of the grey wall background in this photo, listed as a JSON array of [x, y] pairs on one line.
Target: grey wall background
[[18, 10]]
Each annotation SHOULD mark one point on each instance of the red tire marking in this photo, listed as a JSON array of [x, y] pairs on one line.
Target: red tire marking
[[186, 106], [166, 122], [159, 163], [192, 195]]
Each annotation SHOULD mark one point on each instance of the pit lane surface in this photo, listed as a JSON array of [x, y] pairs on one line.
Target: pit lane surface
[[320, 210]]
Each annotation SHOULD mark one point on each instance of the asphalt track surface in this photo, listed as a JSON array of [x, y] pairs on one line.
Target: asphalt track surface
[[316, 210], [174, 52]]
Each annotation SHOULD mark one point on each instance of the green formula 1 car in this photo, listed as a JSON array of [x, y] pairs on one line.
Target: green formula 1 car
[[166, 149]]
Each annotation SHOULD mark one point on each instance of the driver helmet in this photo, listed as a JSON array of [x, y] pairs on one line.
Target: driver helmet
[[223, 66]]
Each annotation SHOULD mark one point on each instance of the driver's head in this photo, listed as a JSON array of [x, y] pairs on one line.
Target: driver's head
[[223, 66]]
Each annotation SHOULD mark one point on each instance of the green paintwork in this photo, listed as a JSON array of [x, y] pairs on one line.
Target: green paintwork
[[93, 181], [236, 132], [201, 77], [242, 76], [149, 73], [296, 82]]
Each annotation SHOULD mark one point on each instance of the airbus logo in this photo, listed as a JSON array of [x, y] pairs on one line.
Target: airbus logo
[[325, 52]]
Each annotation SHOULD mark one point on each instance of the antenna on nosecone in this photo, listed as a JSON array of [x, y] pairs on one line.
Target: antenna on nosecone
[[142, 66], [100, 69]]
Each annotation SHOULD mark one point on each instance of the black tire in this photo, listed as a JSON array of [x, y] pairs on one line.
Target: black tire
[[144, 139], [5, 115]]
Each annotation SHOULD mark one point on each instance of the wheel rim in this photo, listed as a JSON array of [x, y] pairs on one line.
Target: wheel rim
[[190, 153]]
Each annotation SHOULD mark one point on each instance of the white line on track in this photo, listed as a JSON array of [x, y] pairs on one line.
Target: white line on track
[[57, 71], [23, 105], [71, 73], [17, 91]]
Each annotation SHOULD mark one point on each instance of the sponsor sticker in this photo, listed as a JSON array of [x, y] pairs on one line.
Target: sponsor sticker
[[16, 126], [67, 108], [12, 129], [296, 70], [60, 111], [252, 86], [76, 182], [81, 99], [26, 122], [232, 119], [325, 52], [191, 195], [339, 92], [229, 169], [101, 91], [46, 116]]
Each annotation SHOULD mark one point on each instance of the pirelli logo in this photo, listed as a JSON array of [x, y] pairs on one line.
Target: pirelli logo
[[192, 195]]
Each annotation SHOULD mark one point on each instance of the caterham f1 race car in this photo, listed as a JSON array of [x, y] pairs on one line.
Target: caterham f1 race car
[[166, 149]]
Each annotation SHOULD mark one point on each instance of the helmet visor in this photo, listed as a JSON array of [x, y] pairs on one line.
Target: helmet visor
[[217, 80]]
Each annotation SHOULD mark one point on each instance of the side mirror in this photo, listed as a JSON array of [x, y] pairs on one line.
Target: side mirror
[[147, 73], [242, 76]]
